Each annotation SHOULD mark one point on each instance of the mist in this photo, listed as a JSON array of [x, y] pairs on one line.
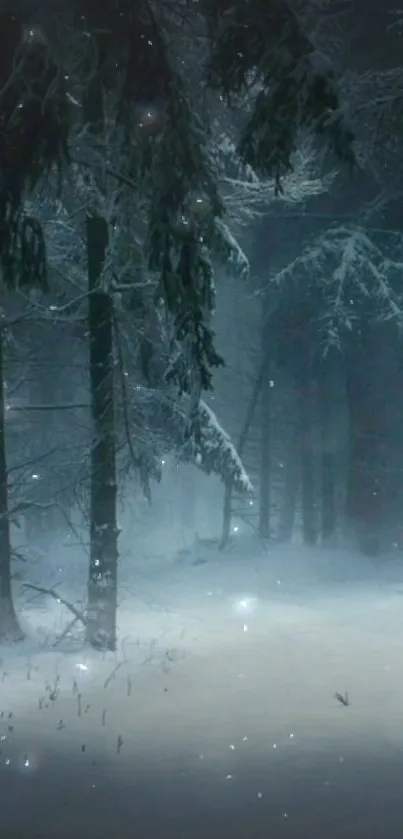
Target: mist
[[255, 690], [201, 448]]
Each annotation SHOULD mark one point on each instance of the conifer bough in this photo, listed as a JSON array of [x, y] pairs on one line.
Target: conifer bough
[[33, 139], [260, 47]]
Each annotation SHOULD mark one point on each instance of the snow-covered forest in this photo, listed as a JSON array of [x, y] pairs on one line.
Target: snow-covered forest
[[201, 447]]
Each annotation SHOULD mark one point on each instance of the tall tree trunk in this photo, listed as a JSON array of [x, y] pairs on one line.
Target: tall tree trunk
[[265, 405], [264, 496], [363, 487], [10, 629], [328, 457], [188, 501], [291, 489], [328, 497], [102, 582], [48, 382], [227, 509], [305, 398], [226, 516]]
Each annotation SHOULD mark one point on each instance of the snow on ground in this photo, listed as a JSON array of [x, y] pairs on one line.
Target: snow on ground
[[217, 717]]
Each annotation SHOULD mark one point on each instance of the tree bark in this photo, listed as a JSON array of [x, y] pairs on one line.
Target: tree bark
[[291, 489], [47, 386], [328, 497], [328, 458], [10, 629], [188, 501], [265, 405], [305, 398], [264, 497], [102, 582], [226, 516], [364, 503], [227, 509]]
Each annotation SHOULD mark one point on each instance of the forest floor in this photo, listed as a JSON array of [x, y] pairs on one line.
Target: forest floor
[[217, 718]]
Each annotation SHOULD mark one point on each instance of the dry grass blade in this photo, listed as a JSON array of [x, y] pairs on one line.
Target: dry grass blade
[[342, 698]]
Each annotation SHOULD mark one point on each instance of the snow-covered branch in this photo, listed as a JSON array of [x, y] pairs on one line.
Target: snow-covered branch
[[349, 276], [160, 425], [211, 449]]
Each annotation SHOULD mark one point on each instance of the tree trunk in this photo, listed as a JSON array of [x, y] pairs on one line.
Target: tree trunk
[[363, 488], [265, 394], [291, 490], [227, 510], [226, 517], [49, 383], [264, 496], [102, 583], [328, 457], [188, 500], [305, 398], [10, 629], [328, 497]]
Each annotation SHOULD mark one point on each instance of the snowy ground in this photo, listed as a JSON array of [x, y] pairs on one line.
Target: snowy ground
[[217, 717]]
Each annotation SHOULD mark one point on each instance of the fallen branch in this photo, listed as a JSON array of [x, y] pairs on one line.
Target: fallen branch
[[66, 631], [56, 596]]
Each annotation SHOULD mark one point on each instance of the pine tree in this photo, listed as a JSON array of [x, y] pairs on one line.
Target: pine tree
[[162, 172], [33, 140], [260, 48]]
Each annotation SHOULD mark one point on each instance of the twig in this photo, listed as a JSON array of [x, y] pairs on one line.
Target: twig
[[69, 406], [66, 631], [56, 596], [113, 674]]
